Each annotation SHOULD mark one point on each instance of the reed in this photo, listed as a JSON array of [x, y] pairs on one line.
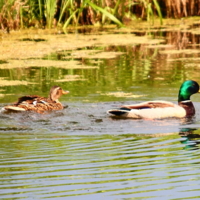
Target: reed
[[15, 14], [181, 8], [10, 14], [50, 11]]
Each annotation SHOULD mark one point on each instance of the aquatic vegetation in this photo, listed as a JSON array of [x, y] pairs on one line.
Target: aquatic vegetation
[[61, 14], [12, 82], [50, 45], [32, 60], [69, 78], [124, 94], [15, 14]]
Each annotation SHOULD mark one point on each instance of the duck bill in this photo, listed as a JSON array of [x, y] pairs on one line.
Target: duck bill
[[65, 92]]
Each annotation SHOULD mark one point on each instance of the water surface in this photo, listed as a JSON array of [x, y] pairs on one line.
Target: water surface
[[82, 153]]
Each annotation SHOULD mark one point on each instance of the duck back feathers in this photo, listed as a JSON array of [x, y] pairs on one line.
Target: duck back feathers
[[39, 104]]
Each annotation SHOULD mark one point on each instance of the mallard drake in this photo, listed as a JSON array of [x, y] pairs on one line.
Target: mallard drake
[[39, 104], [162, 109]]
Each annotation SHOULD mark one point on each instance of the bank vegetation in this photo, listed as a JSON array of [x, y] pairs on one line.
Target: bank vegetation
[[15, 14]]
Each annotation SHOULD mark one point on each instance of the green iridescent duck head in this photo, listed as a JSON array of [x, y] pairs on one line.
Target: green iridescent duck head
[[187, 89]]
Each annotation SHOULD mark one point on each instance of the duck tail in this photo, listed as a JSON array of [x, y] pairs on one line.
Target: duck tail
[[119, 112], [13, 108]]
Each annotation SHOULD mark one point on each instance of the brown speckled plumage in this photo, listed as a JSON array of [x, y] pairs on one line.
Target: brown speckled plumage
[[39, 104]]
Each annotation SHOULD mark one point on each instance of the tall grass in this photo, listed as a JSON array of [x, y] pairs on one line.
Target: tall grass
[[50, 11], [10, 15], [16, 14]]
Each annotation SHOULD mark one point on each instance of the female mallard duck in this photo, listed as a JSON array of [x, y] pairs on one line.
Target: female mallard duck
[[39, 104], [162, 109]]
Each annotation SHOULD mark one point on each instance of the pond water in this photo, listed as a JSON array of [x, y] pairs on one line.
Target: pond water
[[82, 153]]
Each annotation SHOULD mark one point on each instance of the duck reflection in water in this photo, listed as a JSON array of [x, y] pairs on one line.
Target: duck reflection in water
[[191, 138]]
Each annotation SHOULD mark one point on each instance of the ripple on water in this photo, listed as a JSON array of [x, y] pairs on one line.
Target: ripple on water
[[87, 119], [102, 166]]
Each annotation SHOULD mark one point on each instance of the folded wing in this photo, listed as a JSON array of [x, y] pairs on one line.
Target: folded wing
[[149, 110]]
